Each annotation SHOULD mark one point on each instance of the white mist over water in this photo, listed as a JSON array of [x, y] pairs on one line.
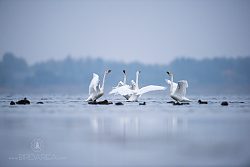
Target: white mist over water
[[72, 133]]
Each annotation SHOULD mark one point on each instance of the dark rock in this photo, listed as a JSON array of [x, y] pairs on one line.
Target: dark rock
[[224, 103], [104, 102], [180, 104], [143, 103], [172, 102], [202, 102], [119, 103], [40, 102], [12, 103], [92, 102], [24, 101]]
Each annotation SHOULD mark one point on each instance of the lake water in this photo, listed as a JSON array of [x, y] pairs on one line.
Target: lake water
[[66, 131]]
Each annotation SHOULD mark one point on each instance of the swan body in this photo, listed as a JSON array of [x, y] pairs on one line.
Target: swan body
[[178, 91], [95, 89], [120, 84], [133, 91], [169, 84]]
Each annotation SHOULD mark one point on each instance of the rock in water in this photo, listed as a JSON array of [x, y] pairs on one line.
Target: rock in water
[[143, 103], [24, 101], [202, 102], [236, 102], [104, 102], [92, 102], [224, 103], [180, 104], [40, 102], [119, 103], [12, 103]]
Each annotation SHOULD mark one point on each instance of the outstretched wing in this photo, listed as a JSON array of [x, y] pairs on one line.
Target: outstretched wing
[[149, 89], [181, 88], [174, 84], [94, 84], [122, 90]]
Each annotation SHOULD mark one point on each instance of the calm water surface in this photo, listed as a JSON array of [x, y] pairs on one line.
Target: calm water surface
[[66, 131]]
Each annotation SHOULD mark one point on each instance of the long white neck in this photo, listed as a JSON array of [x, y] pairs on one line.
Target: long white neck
[[137, 81], [125, 78], [171, 85], [103, 81]]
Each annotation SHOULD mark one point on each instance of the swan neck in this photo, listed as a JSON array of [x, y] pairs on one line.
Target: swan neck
[[125, 78], [171, 85], [137, 81], [103, 81]]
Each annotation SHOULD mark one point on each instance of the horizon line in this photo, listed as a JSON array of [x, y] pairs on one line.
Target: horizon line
[[91, 57]]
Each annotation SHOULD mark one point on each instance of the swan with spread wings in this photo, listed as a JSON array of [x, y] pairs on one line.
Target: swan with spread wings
[[95, 88], [178, 90], [133, 91]]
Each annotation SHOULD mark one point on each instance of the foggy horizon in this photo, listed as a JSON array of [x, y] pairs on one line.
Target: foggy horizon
[[62, 58], [69, 75]]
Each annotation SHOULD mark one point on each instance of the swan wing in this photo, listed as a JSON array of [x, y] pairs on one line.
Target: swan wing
[[119, 84], [114, 90], [94, 84], [181, 88], [122, 90], [174, 84], [149, 89]]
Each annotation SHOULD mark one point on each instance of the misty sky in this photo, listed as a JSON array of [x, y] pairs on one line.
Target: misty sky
[[149, 31]]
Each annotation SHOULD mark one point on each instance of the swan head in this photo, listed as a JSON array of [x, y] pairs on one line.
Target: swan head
[[124, 71], [138, 72], [169, 73], [107, 71]]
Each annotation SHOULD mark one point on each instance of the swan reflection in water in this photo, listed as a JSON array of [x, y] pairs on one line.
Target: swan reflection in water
[[128, 127]]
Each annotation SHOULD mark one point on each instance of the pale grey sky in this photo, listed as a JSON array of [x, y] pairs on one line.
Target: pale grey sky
[[149, 31]]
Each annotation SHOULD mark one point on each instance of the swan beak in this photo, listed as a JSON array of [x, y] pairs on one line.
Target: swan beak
[[139, 71], [109, 71], [124, 71], [168, 72]]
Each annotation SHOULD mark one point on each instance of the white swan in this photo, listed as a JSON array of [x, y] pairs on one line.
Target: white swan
[[95, 89], [113, 91], [169, 85], [133, 91], [178, 91], [122, 83]]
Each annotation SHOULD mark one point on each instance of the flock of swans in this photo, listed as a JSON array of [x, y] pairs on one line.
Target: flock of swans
[[133, 92]]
